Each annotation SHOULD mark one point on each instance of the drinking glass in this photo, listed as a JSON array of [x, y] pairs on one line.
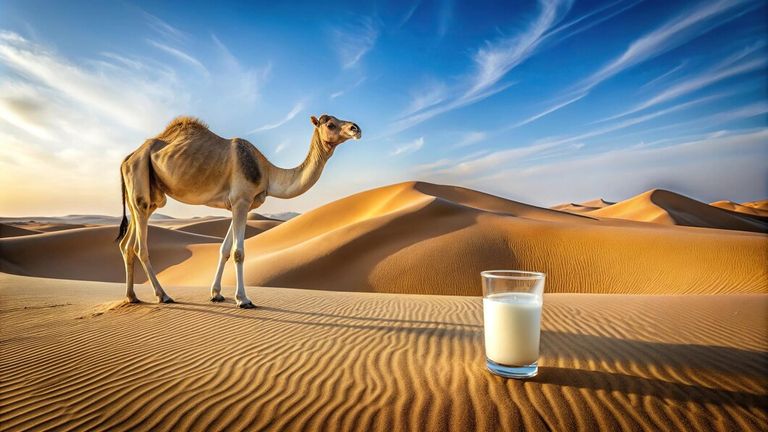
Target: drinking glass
[[512, 303]]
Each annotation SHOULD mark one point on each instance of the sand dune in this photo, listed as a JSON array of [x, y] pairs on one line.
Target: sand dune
[[583, 207], [420, 238], [73, 359], [430, 239], [177, 222], [665, 207], [260, 217], [760, 205], [219, 227], [573, 208], [90, 253], [283, 216], [39, 227], [598, 203], [69, 219], [14, 231], [753, 211]]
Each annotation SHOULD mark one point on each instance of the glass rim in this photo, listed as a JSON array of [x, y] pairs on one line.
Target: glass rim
[[513, 274]]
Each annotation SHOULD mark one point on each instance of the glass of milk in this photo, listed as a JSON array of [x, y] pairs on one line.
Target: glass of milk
[[512, 321]]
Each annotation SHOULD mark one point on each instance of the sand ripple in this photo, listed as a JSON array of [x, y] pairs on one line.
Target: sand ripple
[[309, 360]]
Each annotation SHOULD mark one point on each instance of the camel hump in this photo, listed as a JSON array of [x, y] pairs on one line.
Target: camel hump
[[183, 123]]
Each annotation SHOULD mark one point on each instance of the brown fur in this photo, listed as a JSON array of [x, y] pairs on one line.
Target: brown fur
[[191, 164], [182, 124], [248, 163]]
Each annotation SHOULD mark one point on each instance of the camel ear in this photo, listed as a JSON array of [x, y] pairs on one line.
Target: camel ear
[[313, 119]]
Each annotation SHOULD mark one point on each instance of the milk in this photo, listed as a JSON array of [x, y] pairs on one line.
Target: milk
[[512, 328]]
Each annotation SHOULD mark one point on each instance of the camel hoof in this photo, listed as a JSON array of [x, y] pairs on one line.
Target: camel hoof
[[246, 305], [217, 298], [133, 300], [165, 299]]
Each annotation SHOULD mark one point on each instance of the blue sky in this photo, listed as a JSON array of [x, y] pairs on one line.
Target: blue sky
[[542, 101]]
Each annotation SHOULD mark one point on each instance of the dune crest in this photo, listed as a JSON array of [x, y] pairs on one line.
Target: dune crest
[[7, 230], [89, 253], [219, 227], [583, 207], [760, 204], [665, 207], [749, 210], [429, 239], [422, 238]]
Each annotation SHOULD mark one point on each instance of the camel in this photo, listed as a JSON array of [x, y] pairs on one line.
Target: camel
[[193, 165]]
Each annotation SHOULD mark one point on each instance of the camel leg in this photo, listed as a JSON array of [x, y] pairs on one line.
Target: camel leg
[[224, 252], [142, 220], [239, 219], [127, 245]]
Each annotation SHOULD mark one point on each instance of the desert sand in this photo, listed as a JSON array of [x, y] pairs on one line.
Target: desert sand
[[665, 207], [76, 359], [219, 227], [760, 204], [15, 231], [654, 319], [750, 209], [583, 207], [420, 238]]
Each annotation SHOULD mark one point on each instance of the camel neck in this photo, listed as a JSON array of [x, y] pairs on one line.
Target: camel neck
[[288, 183]]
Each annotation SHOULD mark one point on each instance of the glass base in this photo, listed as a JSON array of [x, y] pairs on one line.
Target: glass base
[[517, 372]]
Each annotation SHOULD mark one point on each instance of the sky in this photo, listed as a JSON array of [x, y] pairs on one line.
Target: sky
[[544, 102]]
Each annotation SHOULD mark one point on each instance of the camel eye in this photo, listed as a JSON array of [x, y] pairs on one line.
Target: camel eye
[[331, 126]]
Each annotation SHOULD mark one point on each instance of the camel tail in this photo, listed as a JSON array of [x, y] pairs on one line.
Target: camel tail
[[124, 222]]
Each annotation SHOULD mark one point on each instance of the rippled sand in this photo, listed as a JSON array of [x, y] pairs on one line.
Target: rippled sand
[[75, 359]]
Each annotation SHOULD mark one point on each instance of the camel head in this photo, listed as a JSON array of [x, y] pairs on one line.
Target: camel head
[[333, 131]]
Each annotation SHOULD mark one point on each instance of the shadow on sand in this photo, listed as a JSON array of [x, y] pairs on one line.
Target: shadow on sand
[[683, 362]]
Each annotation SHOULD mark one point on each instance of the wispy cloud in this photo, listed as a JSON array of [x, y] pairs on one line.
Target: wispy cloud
[[719, 72], [496, 59], [663, 76], [282, 146], [552, 146], [354, 39], [25, 108], [409, 13], [743, 112], [471, 138], [407, 148], [675, 32], [568, 30], [489, 161], [547, 111], [245, 82], [491, 62], [163, 28], [181, 55], [131, 63], [288, 117], [355, 85], [737, 154], [696, 124], [430, 93], [122, 96], [444, 16], [588, 20], [67, 121], [633, 121]]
